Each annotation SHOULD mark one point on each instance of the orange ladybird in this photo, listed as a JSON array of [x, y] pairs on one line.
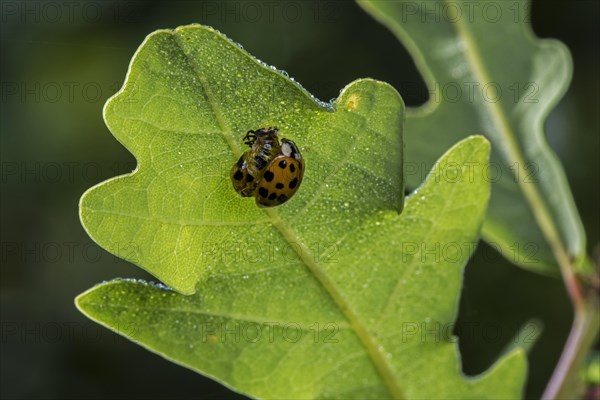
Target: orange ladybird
[[269, 171]]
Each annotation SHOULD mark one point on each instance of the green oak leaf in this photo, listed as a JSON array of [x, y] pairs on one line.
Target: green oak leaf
[[344, 290], [487, 73], [372, 320], [189, 98]]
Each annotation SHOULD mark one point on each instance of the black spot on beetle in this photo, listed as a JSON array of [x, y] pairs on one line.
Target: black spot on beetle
[[273, 196], [292, 168], [238, 175], [282, 198], [282, 164], [249, 178], [293, 183], [279, 185], [299, 165], [263, 192], [269, 176]]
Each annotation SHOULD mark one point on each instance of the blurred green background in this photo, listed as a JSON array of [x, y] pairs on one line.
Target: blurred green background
[[61, 60]]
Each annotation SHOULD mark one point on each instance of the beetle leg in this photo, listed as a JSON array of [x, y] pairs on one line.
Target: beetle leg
[[250, 138]]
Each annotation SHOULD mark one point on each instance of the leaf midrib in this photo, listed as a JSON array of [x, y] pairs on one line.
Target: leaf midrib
[[381, 364]]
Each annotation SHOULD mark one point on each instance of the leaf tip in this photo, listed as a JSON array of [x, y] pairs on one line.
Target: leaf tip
[[80, 300], [84, 300], [479, 140], [354, 95]]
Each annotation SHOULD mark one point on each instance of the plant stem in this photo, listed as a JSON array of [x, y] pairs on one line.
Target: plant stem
[[584, 331]]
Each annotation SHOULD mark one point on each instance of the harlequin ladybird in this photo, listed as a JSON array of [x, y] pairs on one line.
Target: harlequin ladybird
[[270, 171]]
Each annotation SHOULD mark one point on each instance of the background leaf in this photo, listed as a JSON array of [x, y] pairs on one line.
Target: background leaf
[[337, 255], [487, 73]]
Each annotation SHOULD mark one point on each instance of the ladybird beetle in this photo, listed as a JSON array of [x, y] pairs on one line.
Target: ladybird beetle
[[270, 171]]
